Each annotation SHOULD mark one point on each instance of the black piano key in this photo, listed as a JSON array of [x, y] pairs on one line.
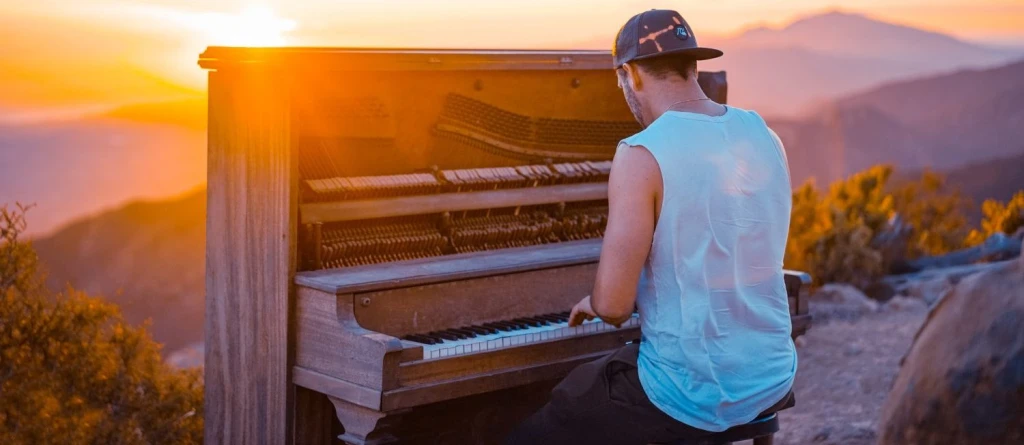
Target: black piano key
[[444, 335], [541, 320], [490, 329], [432, 337], [468, 333], [558, 317], [420, 339], [456, 333], [550, 318], [505, 326], [478, 330], [520, 323], [499, 327], [533, 322]]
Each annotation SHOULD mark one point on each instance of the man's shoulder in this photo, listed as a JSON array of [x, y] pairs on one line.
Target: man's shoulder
[[754, 116]]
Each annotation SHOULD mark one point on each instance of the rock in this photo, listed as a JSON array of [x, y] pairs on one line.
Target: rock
[[840, 302], [852, 349], [929, 290], [901, 303], [822, 435], [846, 295], [962, 380], [880, 291]]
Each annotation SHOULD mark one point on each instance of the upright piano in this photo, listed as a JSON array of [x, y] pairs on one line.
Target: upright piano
[[395, 238]]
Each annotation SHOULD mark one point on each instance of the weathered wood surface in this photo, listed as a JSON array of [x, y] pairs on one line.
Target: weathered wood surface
[[329, 341], [450, 267], [315, 421], [432, 307], [442, 380], [250, 260]]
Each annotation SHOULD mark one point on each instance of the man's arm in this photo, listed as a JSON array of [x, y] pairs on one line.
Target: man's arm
[[633, 191]]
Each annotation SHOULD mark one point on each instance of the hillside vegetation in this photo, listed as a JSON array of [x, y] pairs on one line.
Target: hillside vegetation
[[72, 371]]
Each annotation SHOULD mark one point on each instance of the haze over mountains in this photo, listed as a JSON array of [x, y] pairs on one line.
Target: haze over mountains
[[73, 168]]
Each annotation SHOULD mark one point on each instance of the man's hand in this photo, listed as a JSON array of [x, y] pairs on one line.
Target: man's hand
[[581, 312]]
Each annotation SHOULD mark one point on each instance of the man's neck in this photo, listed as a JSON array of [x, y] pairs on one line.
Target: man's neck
[[684, 96]]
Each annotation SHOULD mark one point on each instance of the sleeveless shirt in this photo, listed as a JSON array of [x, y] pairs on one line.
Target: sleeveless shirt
[[716, 347]]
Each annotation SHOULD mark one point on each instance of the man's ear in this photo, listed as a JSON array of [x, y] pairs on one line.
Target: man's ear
[[633, 76]]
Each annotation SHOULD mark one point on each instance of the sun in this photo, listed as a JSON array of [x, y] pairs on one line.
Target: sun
[[254, 26]]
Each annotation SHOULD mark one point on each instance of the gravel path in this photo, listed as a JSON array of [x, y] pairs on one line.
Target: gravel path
[[847, 365]]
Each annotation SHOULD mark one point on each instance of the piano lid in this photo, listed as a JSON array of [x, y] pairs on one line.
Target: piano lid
[[399, 59]]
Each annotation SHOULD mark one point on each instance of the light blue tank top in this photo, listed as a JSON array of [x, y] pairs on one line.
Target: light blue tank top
[[716, 348]]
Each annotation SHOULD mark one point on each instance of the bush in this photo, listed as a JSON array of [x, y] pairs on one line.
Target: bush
[[856, 231], [935, 214], [71, 369], [831, 235], [999, 218]]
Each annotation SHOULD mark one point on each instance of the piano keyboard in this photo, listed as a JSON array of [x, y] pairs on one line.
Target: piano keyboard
[[510, 333]]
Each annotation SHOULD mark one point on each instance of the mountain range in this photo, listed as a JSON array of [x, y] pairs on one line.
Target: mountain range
[[942, 122], [788, 71]]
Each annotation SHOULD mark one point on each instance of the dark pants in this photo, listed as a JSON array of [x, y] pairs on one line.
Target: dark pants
[[602, 402]]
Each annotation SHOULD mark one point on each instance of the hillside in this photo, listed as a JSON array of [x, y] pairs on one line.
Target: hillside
[[148, 257], [997, 179], [943, 122]]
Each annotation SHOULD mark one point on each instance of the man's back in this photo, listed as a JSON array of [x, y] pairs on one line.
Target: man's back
[[716, 348]]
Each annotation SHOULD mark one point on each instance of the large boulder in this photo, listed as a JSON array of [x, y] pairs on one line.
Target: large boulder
[[962, 381]]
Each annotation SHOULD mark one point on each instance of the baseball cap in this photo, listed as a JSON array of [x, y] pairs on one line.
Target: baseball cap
[[658, 32]]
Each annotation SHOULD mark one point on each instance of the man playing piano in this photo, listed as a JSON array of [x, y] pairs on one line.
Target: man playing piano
[[699, 208]]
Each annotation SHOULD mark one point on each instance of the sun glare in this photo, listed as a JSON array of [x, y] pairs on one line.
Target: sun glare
[[254, 26]]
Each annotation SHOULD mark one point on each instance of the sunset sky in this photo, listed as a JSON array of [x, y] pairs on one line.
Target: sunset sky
[[66, 57]]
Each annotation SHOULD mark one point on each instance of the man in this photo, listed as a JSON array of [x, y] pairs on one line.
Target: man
[[699, 208]]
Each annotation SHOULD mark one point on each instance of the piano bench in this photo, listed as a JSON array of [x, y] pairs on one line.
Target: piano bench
[[761, 430]]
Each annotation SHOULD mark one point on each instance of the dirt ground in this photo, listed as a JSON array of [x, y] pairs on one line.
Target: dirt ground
[[846, 366]]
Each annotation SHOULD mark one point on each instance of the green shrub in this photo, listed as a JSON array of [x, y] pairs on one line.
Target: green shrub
[[72, 371]]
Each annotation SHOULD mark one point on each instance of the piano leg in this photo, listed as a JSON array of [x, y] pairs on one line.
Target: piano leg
[[364, 426], [314, 418]]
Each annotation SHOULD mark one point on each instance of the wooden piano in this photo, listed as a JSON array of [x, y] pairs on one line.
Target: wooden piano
[[395, 238]]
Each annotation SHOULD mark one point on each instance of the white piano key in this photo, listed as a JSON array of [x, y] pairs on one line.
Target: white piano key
[[521, 337]]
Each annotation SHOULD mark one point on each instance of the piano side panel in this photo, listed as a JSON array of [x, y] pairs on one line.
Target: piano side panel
[[250, 251], [329, 341]]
